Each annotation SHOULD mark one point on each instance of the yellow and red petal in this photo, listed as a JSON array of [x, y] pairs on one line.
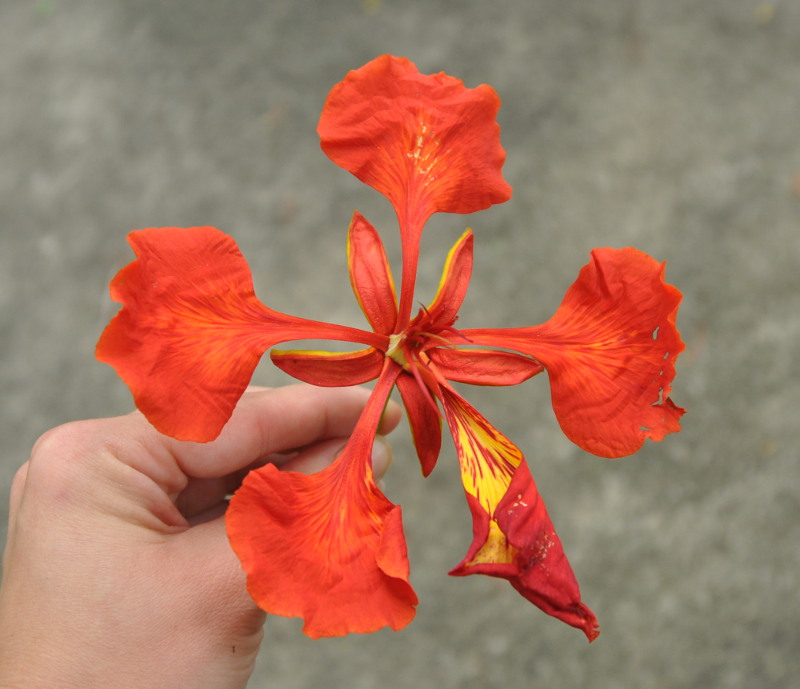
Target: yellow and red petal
[[424, 421], [371, 276], [426, 142], [486, 457], [330, 369], [483, 366], [513, 537], [327, 547], [609, 351], [520, 544], [191, 330]]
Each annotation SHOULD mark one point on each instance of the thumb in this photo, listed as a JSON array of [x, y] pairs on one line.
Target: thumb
[[213, 569]]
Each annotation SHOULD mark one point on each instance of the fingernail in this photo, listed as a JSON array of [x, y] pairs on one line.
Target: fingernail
[[381, 456]]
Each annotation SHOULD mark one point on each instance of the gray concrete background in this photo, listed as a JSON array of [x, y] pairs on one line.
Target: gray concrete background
[[671, 126]]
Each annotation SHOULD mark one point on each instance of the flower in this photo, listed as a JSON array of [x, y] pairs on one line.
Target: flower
[[329, 547]]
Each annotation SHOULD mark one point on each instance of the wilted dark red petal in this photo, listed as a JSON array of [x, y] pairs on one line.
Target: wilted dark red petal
[[426, 142], [424, 421], [371, 276], [513, 537], [522, 546], [610, 353], [191, 330], [483, 366], [327, 547], [454, 281], [330, 369]]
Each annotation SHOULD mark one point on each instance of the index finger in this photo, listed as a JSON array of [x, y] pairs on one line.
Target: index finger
[[274, 420]]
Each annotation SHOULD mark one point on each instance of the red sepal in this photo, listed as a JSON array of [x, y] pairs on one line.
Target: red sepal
[[453, 284], [424, 421], [370, 275], [483, 366], [330, 369]]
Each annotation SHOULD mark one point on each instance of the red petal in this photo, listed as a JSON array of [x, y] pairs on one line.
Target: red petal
[[610, 353], [330, 369], [191, 330], [326, 547], [454, 281], [424, 421], [371, 276], [513, 537], [483, 366], [426, 142]]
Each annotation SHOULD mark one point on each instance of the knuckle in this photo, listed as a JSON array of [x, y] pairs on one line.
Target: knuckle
[[56, 455]]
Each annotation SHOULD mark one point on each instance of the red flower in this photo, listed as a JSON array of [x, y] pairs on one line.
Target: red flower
[[329, 547]]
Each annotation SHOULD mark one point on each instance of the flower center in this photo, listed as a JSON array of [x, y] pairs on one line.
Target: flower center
[[421, 334], [395, 349]]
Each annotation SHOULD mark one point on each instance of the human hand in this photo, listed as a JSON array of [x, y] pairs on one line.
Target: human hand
[[118, 572]]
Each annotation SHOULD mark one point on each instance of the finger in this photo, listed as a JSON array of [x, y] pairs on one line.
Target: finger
[[205, 499], [17, 488], [223, 579], [264, 422], [278, 420]]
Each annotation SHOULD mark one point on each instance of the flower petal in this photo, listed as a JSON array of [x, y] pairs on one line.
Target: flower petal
[[610, 353], [191, 330], [426, 142], [513, 537], [327, 547], [483, 366], [371, 276], [424, 421], [330, 369]]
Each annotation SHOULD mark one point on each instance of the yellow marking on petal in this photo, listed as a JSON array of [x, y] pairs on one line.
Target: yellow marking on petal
[[424, 149], [312, 353], [448, 264], [488, 459], [496, 549]]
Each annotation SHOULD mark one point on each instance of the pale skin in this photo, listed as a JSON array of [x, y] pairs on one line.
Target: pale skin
[[118, 572]]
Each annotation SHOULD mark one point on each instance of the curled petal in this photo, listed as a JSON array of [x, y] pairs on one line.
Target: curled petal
[[426, 142], [371, 276], [330, 369], [610, 353], [191, 330], [327, 547], [521, 545], [483, 366], [424, 421], [513, 537]]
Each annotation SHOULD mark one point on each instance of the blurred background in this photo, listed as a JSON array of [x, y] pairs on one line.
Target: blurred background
[[670, 126]]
